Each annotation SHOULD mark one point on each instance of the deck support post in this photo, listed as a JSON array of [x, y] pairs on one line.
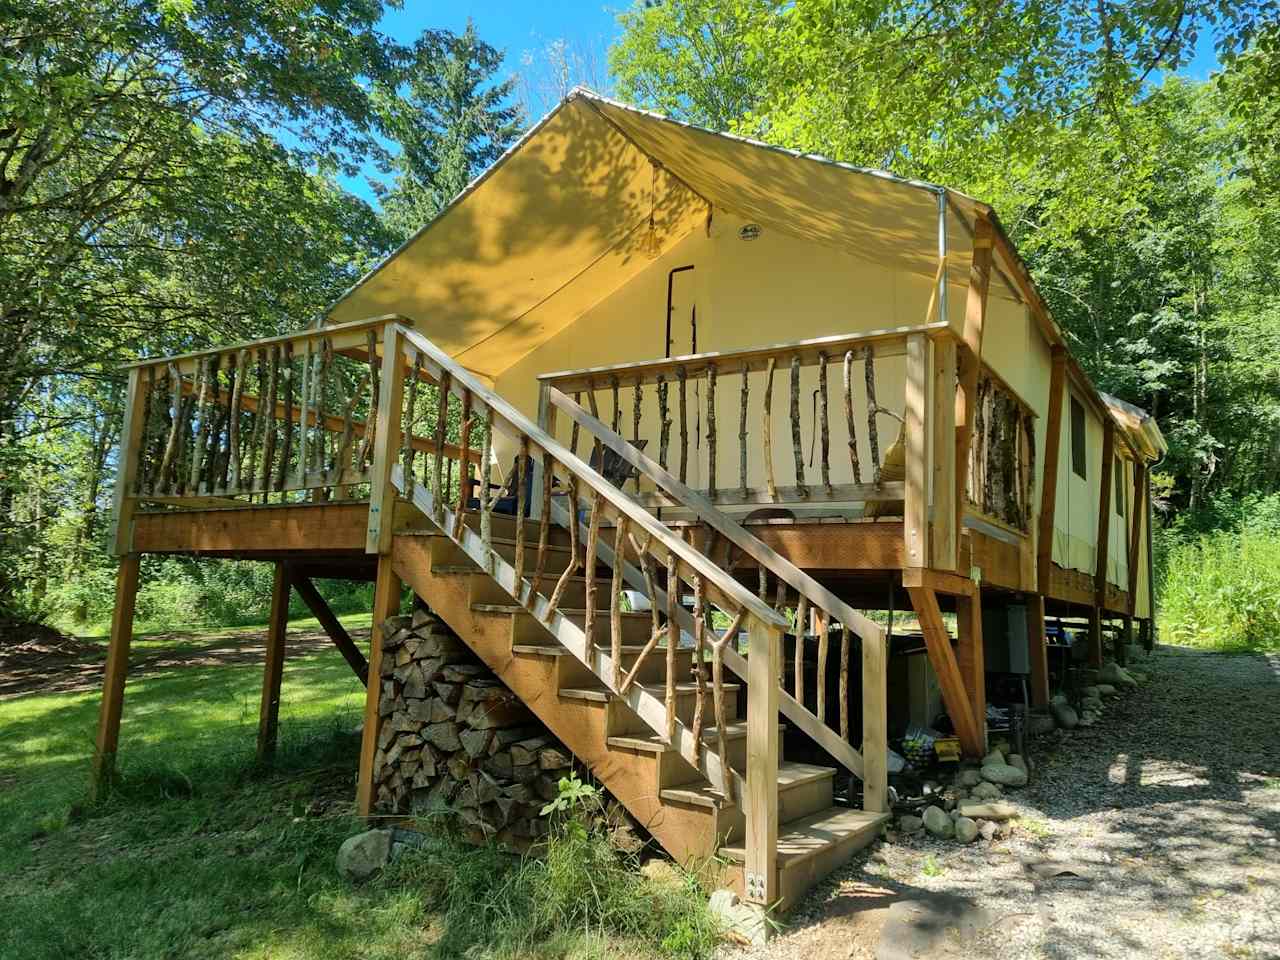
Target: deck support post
[[1102, 546], [386, 444], [273, 666], [1038, 653], [915, 510], [969, 360], [1045, 526], [944, 539], [764, 660], [954, 694], [337, 633], [970, 658], [875, 724], [386, 604], [117, 666]]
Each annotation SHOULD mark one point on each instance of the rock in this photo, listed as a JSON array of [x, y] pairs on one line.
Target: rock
[[1064, 715], [987, 828], [1004, 774], [987, 811], [1091, 704], [1116, 675], [1092, 691], [722, 901], [969, 778], [1107, 690], [995, 756], [938, 823], [662, 873], [966, 830], [909, 824], [1088, 720], [1015, 760], [363, 855], [986, 791], [1140, 677], [1001, 744]]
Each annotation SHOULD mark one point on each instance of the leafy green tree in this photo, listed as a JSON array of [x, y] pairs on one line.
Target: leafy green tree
[[453, 120]]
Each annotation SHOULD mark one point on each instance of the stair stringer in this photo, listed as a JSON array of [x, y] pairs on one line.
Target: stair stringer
[[687, 833]]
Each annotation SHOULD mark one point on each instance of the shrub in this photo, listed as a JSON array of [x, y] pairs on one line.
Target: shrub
[[1221, 590]]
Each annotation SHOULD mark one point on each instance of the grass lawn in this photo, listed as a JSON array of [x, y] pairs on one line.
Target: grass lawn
[[201, 854]]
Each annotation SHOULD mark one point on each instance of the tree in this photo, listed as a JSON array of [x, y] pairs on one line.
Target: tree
[[453, 120]]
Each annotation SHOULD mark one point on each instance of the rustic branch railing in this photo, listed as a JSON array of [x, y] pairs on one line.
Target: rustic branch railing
[[1002, 454], [843, 460], [795, 590], [576, 497]]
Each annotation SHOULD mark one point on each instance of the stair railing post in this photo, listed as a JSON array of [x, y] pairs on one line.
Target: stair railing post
[[547, 423], [386, 443], [764, 652]]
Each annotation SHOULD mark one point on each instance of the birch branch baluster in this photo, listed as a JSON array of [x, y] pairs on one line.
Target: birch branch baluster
[[825, 424], [711, 432], [797, 444], [873, 407], [286, 373], [522, 508], [673, 641], [848, 417], [615, 597], [237, 391], [682, 376], [768, 431], [742, 435]]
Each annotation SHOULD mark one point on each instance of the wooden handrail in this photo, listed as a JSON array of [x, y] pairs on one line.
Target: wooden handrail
[[886, 342], [461, 382]]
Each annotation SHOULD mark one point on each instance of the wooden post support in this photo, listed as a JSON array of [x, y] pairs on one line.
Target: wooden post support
[[969, 357], [337, 633], [1137, 513], [970, 658], [1039, 653], [117, 666], [1102, 546], [945, 537], [386, 603], [915, 510], [386, 444], [273, 666], [954, 695], [875, 723], [127, 473], [764, 660]]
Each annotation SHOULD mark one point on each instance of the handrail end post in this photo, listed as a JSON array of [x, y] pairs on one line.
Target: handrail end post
[[386, 443], [764, 655]]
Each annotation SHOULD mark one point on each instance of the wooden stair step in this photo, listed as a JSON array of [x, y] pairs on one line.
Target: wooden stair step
[[515, 608], [547, 650], [809, 836], [656, 744], [790, 774], [604, 694]]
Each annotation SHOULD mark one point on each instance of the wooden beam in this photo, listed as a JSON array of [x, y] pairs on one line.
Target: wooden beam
[[337, 633], [117, 666], [944, 540], [126, 476], [386, 603], [970, 658], [1137, 512], [954, 694], [386, 444], [1102, 546], [875, 725], [1038, 653], [952, 584], [764, 648], [273, 665], [915, 502], [1049, 469], [969, 358]]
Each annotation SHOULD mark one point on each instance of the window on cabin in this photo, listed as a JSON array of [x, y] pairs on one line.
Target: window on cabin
[[1077, 439], [1120, 486]]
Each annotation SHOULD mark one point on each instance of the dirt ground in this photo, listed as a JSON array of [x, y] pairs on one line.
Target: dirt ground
[[51, 664], [1154, 834]]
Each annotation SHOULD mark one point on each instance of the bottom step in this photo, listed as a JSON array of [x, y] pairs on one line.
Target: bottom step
[[812, 847]]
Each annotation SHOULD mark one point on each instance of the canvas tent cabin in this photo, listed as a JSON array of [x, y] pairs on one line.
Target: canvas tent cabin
[[757, 393]]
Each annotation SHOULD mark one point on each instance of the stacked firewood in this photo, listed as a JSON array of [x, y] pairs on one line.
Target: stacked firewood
[[453, 736]]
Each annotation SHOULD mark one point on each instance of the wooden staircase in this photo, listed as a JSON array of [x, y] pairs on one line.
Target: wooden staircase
[[695, 758], [695, 823]]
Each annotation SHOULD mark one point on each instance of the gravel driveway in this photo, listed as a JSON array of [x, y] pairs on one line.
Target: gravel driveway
[[1166, 817]]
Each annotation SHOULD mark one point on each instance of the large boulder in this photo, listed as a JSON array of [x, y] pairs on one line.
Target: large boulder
[[1004, 774], [966, 829], [363, 855], [1016, 760], [969, 778], [1064, 715], [938, 823], [1116, 675]]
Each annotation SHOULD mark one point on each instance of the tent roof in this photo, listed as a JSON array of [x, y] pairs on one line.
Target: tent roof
[[563, 219]]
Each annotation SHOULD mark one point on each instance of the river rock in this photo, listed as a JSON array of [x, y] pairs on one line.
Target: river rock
[[995, 756], [1116, 675], [1091, 704], [966, 829], [986, 791], [938, 823], [969, 778], [1015, 760], [987, 811], [988, 829], [1038, 725], [1091, 691], [1064, 715], [363, 855], [909, 824], [1107, 690], [1004, 775]]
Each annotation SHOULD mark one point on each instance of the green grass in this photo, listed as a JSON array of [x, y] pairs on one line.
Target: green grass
[[1222, 592], [200, 853]]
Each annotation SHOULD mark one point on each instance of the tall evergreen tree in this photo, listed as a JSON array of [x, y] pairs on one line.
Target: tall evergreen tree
[[452, 119]]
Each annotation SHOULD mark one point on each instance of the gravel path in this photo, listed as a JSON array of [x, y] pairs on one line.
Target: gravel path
[[1168, 811]]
